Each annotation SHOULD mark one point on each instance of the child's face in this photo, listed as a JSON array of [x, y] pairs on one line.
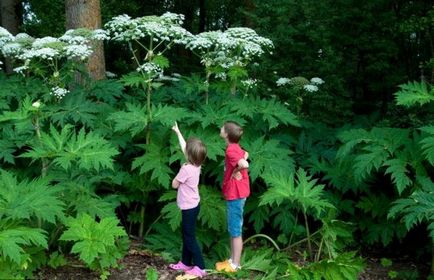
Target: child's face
[[223, 133]]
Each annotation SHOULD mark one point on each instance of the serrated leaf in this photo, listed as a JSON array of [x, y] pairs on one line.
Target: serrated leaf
[[414, 93], [155, 160], [134, 119], [398, 171], [268, 157]]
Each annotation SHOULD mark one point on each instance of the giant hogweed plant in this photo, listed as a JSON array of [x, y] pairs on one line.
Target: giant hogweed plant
[[403, 155], [155, 35], [24, 206], [418, 206]]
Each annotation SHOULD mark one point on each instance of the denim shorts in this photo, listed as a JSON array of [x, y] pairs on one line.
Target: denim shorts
[[235, 209]]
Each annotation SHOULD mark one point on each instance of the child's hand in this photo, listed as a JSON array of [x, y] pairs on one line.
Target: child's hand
[[176, 128], [246, 155], [237, 175]]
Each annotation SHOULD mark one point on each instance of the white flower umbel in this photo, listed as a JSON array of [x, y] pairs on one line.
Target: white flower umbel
[[166, 28], [21, 69], [43, 42], [59, 92], [173, 18], [78, 51], [36, 104], [100, 35], [235, 47], [283, 81], [151, 69], [310, 88], [109, 74], [249, 83], [12, 49], [317, 81], [44, 53], [5, 36]]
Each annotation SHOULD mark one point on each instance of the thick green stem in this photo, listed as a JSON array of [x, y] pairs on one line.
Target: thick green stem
[[299, 242], [309, 244], [142, 221], [208, 74], [38, 134], [234, 87], [263, 236], [153, 223], [318, 255]]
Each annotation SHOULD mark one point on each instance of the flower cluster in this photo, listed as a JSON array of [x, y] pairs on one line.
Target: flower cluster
[[59, 92], [152, 70], [5, 36], [299, 83], [74, 44], [234, 47], [249, 83], [166, 28]]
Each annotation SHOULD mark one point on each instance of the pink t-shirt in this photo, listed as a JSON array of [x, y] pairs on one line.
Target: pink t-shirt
[[188, 190]]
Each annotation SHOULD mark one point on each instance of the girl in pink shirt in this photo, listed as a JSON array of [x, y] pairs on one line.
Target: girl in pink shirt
[[187, 184]]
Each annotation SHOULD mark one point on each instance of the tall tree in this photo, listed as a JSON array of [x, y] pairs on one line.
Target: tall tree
[[10, 14], [87, 14]]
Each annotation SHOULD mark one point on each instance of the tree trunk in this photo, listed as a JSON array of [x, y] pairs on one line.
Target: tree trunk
[[10, 15], [202, 16], [87, 14], [249, 7]]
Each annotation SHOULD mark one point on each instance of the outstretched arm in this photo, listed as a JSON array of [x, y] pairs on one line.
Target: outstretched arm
[[180, 138]]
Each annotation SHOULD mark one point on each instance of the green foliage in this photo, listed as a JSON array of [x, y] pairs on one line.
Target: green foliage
[[414, 93], [133, 120], [97, 243], [269, 157], [23, 204], [343, 267], [427, 143], [64, 148], [24, 200], [417, 208], [301, 192], [151, 273], [155, 160]]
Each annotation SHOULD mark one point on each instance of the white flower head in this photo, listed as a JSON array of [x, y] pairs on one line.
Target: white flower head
[[21, 69], [5, 36], [100, 35], [12, 49], [36, 104], [166, 28], [151, 69], [43, 42], [310, 88], [109, 74], [59, 92], [317, 81], [249, 83], [78, 51], [283, 81], [43, 53]]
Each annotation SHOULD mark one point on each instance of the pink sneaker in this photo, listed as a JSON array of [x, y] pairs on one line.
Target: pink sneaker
[[180, 266], [196, 271]]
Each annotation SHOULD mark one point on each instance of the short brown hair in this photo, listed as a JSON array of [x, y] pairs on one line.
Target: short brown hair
[[233, 130], [195, 151]]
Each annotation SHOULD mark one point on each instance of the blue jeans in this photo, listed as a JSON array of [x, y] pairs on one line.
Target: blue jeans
[[235, 209], [191, 253]]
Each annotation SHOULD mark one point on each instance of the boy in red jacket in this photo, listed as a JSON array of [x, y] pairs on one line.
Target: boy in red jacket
[[236, 188]]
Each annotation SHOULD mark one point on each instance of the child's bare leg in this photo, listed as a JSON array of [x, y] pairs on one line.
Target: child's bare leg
[[232, 249], [237, 245]]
